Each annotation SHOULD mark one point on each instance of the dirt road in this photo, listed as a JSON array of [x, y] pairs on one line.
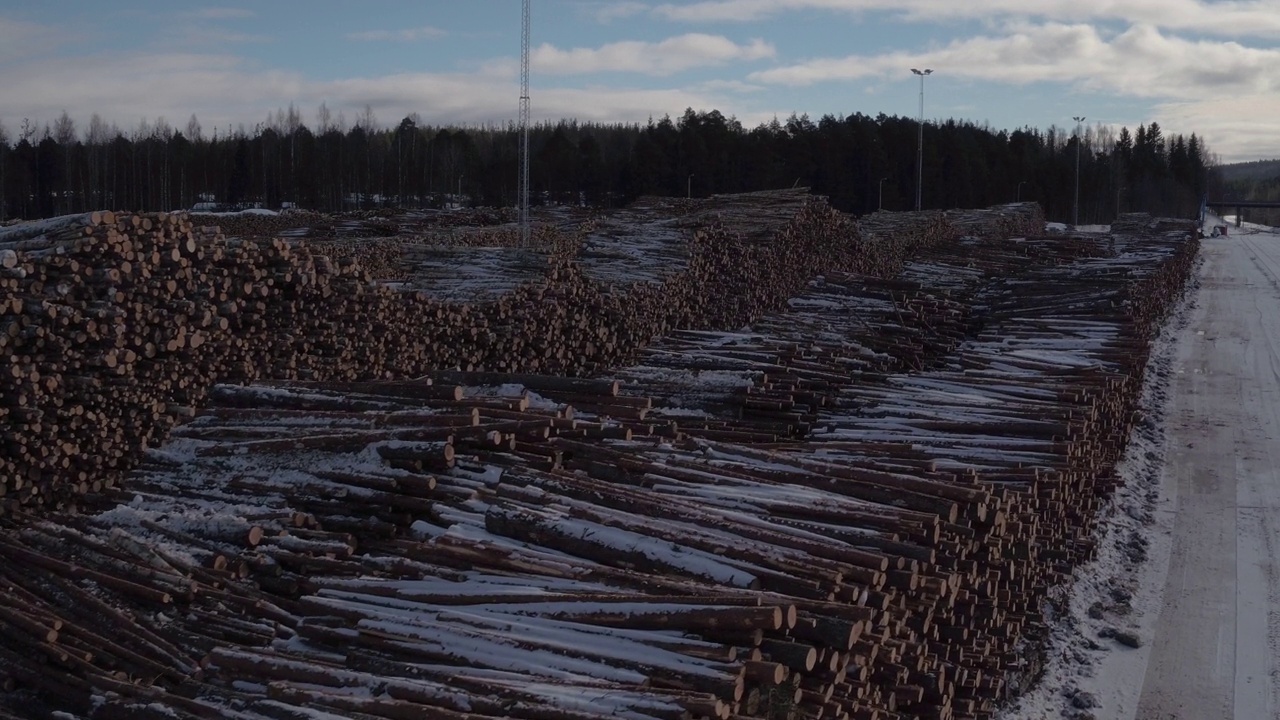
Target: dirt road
[[1215, 652]]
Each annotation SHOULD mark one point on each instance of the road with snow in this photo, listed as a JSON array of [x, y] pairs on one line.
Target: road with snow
[[1215, 652], [1188, 564]]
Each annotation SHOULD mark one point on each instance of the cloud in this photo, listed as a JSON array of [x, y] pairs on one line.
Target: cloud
[[1176, 74], [1224, 91], [225, 91], [733, 86], [608, 12], [667, 57], [1229, 132], [1232, 18], [223, 13], [1140, 62], [403, 35], [20, 39], [218, 88], [206, 37]]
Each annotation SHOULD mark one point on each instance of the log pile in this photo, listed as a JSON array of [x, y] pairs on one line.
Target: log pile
[[491, 544], [999, 223], [1143, 223], [263, 225], [117, 325]]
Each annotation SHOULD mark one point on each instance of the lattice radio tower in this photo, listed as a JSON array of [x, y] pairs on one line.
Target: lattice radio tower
[[523, 186]]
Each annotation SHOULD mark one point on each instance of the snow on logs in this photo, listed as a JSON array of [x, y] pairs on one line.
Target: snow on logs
[[115, 326], [498, 545]]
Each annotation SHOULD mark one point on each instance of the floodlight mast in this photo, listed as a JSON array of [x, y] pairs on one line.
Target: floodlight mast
[[920, 138], [1075, 214], [523, 185]]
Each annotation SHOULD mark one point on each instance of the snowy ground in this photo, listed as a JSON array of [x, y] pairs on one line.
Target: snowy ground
[[1187, 571]]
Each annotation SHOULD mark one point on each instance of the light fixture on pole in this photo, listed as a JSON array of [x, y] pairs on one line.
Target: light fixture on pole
[[1076, 213], [920, 137], [522, 185], [1020, 184], [881, 205]]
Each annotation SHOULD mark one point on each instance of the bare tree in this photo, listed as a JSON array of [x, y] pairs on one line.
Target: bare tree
[[194, 132], [64, 133], [293, 123], [162, 133], [4, 150], [138, 177], [324, 119], [64, 129], [369, 124], [367, 120], [276, 121]]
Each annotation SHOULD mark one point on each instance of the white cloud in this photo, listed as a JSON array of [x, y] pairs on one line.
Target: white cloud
[[1224, 91], [1231, 18], [667, 57], [734, 86], [1236, 128], [1176, 73], [403, 35], [223, 91], [223, 13], [607, 12], [20, 39], [1140, 62]]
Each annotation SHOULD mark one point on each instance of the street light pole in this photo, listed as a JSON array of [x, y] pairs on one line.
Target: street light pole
[[881, 205], [1076, 217], [919, 142]]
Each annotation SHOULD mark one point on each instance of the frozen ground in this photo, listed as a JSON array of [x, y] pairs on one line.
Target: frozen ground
[[1179, 618]]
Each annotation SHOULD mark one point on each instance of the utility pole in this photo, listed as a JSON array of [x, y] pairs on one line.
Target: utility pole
[[920, 138], [523, 185], [1076, 215]]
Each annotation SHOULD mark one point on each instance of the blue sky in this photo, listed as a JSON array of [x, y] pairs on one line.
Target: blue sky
[[1193, 66]]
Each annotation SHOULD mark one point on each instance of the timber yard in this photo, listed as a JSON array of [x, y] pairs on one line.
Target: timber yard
[[735, 457]]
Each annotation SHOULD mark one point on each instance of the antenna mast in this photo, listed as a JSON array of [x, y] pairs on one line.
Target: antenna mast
[[523, 189]]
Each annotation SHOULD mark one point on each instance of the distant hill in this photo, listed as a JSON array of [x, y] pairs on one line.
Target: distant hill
[[1255, 170]]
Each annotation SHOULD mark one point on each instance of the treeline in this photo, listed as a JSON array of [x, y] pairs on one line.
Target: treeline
[[861, 162]]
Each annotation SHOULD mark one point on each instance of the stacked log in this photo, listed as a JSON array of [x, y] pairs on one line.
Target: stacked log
[[1000, 222], [492, 544], [896, 237], [115, 326], [262, 225], [381, 258]]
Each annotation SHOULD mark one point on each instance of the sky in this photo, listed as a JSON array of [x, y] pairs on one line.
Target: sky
[[1212, 68]]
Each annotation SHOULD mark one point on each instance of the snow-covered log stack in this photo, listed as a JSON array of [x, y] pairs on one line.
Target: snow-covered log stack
[[262, 224], [492, 544], [999, 222], [115, 326], [893, 238]]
